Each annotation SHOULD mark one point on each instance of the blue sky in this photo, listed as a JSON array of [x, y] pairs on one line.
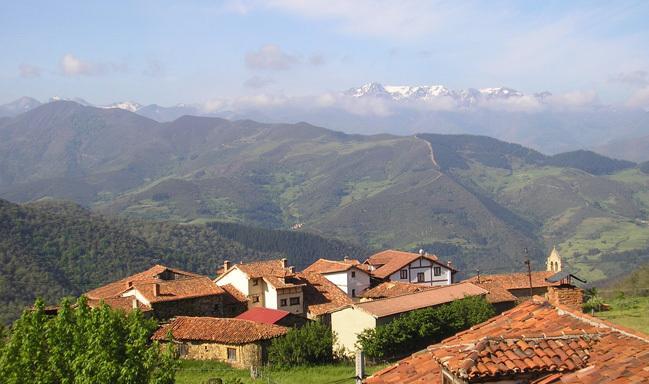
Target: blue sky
[[168, 52]]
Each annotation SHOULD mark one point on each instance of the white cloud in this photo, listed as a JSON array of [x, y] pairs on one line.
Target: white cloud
[[634, 78], [317, 60], [270, 57], [29, 71], [574, 99], [73, 66]]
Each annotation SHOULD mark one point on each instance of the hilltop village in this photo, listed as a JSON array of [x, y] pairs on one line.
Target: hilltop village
[[539, 332]]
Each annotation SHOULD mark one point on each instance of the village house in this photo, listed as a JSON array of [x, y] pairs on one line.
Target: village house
[[349, 275], [349, 321], [388, 289], [554, 284], [418, 268], [321, 296], [240, 343], [165, 292], [269, 284], [535, 342]]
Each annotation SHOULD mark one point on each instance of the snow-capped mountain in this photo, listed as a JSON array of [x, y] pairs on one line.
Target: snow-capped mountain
[[18, 106], [465, 97], [130, 106]]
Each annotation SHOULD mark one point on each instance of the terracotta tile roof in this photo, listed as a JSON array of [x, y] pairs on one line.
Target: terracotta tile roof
[[615, 354], [171, 290], [331, 266], [517, 280], [392, 289], [508, 357], [117, 287], [233, 295], [428, 298], [263, 315], [390, 261], [265, 268], [122, 303], [497, 294], [418, 368], [218, 330], [321, 296]]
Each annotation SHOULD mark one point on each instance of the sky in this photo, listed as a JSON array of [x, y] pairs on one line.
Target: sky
[[170, 52]]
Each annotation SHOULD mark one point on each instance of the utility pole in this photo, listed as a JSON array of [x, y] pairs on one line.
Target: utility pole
[[478, 272], [529, 270], [360, 366]]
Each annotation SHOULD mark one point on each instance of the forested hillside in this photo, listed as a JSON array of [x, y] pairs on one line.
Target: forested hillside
[[473, 199], [51, 249]]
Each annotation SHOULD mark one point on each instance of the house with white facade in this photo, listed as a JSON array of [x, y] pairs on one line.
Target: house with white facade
[[349, 275], [417, 268], [270, 284]]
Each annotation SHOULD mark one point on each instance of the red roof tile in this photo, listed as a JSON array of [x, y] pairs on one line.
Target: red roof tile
[[516, 280], [263, 315], [428, 298], [218, 330], [559, 340], [321, 296], [331, 266], [390, 261], [497, 294], [392, 289], [256, 269]]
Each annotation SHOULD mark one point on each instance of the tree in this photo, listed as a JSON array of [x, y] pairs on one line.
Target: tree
[[83, 345], [313, 343]]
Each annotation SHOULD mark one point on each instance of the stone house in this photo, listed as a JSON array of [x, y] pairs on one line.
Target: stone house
[[349, 321], [269, 284], [165, 292], [349, 275], [417, 268], [239, 343]]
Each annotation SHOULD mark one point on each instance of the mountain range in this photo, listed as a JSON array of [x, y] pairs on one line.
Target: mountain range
[[543, 121], [472, 199]]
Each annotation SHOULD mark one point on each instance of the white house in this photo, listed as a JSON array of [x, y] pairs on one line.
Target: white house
[[417, 268], [270, 284], [349, 275]]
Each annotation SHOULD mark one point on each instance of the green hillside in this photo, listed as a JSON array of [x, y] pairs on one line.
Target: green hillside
[[472, 199], [51, 249]]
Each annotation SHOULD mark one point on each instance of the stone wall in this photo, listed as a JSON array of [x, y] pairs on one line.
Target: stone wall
[[567, 295], [199, 306], [247, 355]]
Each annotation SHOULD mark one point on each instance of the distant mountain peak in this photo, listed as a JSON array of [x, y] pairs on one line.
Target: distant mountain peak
[[130, 106]]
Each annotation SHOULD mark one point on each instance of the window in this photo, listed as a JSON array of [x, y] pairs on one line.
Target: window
[[255, 299], [404, 274], [420, 277], [295, 300], [353, 293], [232, 354], [437, 271], [282, 303], [353, 274]]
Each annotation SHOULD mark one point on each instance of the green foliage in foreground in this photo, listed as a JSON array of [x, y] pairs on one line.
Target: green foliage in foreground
[[311, 344], [418, 329], [84, 345]]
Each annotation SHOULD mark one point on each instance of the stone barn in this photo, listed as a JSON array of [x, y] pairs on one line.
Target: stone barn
[[237, 342]]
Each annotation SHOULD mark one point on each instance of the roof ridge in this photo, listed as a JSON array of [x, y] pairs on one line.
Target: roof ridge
[[561, 310]]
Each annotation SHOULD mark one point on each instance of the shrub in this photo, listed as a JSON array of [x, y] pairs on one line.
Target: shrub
[[311, 344], [593, 304], [417, 329]]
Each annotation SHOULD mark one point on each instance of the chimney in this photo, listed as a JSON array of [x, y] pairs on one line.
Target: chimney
[[284, 264], [291, 269], [134, 303], [226, 265], [345, 258], [129, 284], [449, 264], [421, 252], [156, 290]]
